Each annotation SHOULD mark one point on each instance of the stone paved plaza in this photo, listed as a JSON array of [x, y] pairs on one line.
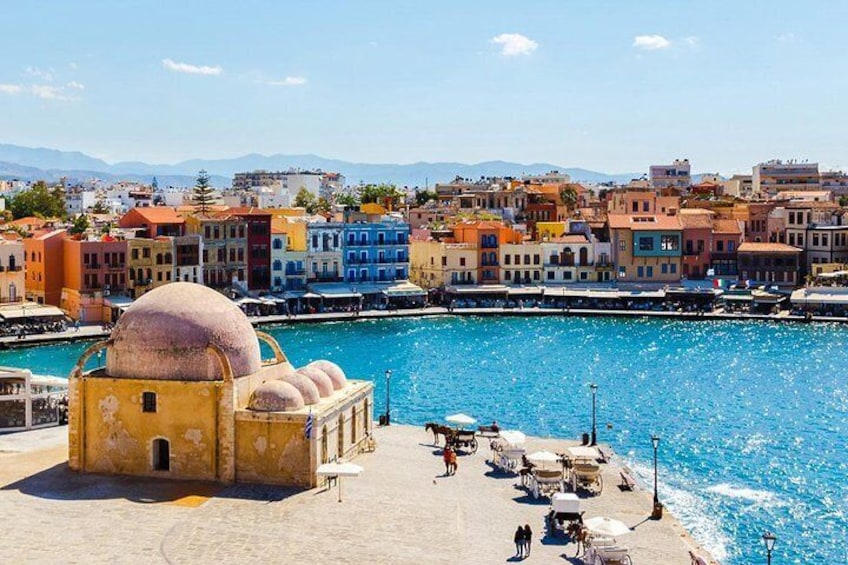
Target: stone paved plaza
[[401, 510]]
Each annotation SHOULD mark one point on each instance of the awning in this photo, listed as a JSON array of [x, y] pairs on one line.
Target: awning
[[820, 296], [478, 289], [248, 300], [404, 289], [525, 290], [121, 302], [738, 297], [20, 312]]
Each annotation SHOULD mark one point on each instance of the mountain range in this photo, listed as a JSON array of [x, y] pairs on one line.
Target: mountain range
[[29, 163]]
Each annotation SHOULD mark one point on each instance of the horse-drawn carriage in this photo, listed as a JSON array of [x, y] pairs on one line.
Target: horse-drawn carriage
[[564, 511], [545, 482], [464, 439], [587, 476]]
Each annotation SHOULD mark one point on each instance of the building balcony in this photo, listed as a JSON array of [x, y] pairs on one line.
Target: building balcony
[[325, 277], [295, 272]]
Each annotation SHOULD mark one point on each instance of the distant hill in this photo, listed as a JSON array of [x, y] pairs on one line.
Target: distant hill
[[29, 163]]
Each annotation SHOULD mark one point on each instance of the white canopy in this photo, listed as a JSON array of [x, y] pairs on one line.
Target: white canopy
[[513, 437], [603, 526], [582, 452], [339, 470], [566, 502], [543, 458], [461, 420]]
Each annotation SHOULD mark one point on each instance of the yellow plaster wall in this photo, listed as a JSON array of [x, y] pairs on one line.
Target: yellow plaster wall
[[272, 452], [118, 435]]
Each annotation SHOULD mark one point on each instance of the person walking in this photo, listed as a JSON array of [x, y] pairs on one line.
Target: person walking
[[528, 537], [518, 538], [447, 454], [453, 462]]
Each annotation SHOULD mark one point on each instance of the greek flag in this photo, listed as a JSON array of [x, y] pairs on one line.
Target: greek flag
[[307, 430]]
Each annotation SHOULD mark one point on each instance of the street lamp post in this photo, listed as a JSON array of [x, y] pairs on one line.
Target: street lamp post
[[769, 539], [658, 509], [594, 441], [388, 398]]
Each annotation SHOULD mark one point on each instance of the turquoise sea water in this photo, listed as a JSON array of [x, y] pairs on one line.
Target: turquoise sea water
[[753, 416]]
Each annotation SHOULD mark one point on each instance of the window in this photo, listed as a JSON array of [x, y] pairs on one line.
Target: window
[[650, 270], [135, 254], [508, 275], [145, 253], [673, 268], [527, 259], [621, 245], [506, 259], [148, 402], [640, 271], [536, 259], [664, 269], [622, 272], [444, 261], [341, 441], [550, 275], [462, 261], [670, 242], [535, 275], [646, 243], [566, 276], [720, 246], [646, 206]]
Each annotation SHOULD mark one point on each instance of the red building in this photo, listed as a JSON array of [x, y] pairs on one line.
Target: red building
[[258, 246], [697, 241]]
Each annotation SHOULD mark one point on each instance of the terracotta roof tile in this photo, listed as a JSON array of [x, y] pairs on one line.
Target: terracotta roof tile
[[758, 247]]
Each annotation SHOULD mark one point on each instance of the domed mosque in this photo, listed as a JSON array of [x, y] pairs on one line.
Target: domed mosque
[[185, 394]]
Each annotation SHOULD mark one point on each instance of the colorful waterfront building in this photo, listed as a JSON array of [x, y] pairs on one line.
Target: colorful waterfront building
[[93, 269], [188, 258], [646, 248], [12, 274], [438, 264], [45, 266], [324, 251], [487, 236], [258, 246], [375, 249], [727, 237], [697, 241], [288, 267], [775, 264], [521, 263], [193, 399]]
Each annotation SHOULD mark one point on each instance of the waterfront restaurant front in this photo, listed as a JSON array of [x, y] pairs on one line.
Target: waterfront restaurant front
[[30, 401]]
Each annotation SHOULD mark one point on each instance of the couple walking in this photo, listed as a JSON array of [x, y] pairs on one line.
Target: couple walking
[[523, 537]]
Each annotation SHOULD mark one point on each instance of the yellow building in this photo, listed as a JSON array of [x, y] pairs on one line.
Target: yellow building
[[185, 394], [295, 230], [151, 264], [551, 230], [437, 264]]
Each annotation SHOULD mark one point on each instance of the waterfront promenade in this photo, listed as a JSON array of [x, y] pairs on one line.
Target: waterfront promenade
[[96, 331], [401, 510]]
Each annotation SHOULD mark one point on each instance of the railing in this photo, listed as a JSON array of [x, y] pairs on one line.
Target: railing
[[295, 271]]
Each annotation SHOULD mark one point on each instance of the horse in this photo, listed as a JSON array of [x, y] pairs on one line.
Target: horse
[[439, 429]]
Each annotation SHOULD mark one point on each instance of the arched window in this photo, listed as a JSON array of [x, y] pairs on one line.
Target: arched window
[[325, 450], [340, 447], [139, 277], [278, 243], [161, 454], [568, 257], [584, 256], [158, 258], [168, 259], [278, 265], [11, 262]]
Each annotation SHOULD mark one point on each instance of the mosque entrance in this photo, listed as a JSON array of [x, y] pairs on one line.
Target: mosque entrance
[[161, 455]]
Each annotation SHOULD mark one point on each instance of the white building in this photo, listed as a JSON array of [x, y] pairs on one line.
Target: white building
[[676, 175], [776, 176]]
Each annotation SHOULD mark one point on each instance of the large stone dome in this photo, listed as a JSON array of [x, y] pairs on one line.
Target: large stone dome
[[165, 333]]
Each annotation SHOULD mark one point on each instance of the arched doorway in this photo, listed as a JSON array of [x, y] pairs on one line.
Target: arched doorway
[[325, 449], [341, 441], [353, 426], [161, 454]]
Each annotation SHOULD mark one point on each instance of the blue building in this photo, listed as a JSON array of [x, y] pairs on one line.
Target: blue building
[[375, 251]]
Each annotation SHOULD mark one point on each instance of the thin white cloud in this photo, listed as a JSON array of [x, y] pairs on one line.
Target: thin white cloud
[[172, 65], [288, 81], [49, 92], [514, 44], [76, 85], [692, 41], [788, 37], [651, 42], [11, 88], [46, 75]]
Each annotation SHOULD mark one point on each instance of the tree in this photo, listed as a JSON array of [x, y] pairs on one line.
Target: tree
[[100, 206], [323, 205], [39, 201], [424, 196], [306, 199], [380, 193], [843, 201], [80, 225], [347, 200], [569, 197], [203, 194]]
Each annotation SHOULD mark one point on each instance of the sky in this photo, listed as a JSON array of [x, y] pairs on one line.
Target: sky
[[613, 86]]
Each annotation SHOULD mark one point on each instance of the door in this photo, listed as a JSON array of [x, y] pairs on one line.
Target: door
[[161, 455]]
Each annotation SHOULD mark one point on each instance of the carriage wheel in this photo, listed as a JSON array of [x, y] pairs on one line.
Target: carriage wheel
[[600, 484], [474, 445]]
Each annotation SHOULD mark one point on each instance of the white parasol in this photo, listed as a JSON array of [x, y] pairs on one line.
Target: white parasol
[[513, 437], [603, 526], [461, 420], [339, 470]]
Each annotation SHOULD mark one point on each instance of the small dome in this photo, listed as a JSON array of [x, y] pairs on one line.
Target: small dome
[[164, 335], [320, 379], [275, 396], [304, 386], [333, 371]]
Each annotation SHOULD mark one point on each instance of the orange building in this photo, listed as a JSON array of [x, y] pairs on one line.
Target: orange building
[[45, 270], [156, 220], [94, 269], [487, 236]]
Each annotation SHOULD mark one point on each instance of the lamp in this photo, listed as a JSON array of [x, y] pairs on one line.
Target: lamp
[[769, 539], [388, 404], [657, 512]]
